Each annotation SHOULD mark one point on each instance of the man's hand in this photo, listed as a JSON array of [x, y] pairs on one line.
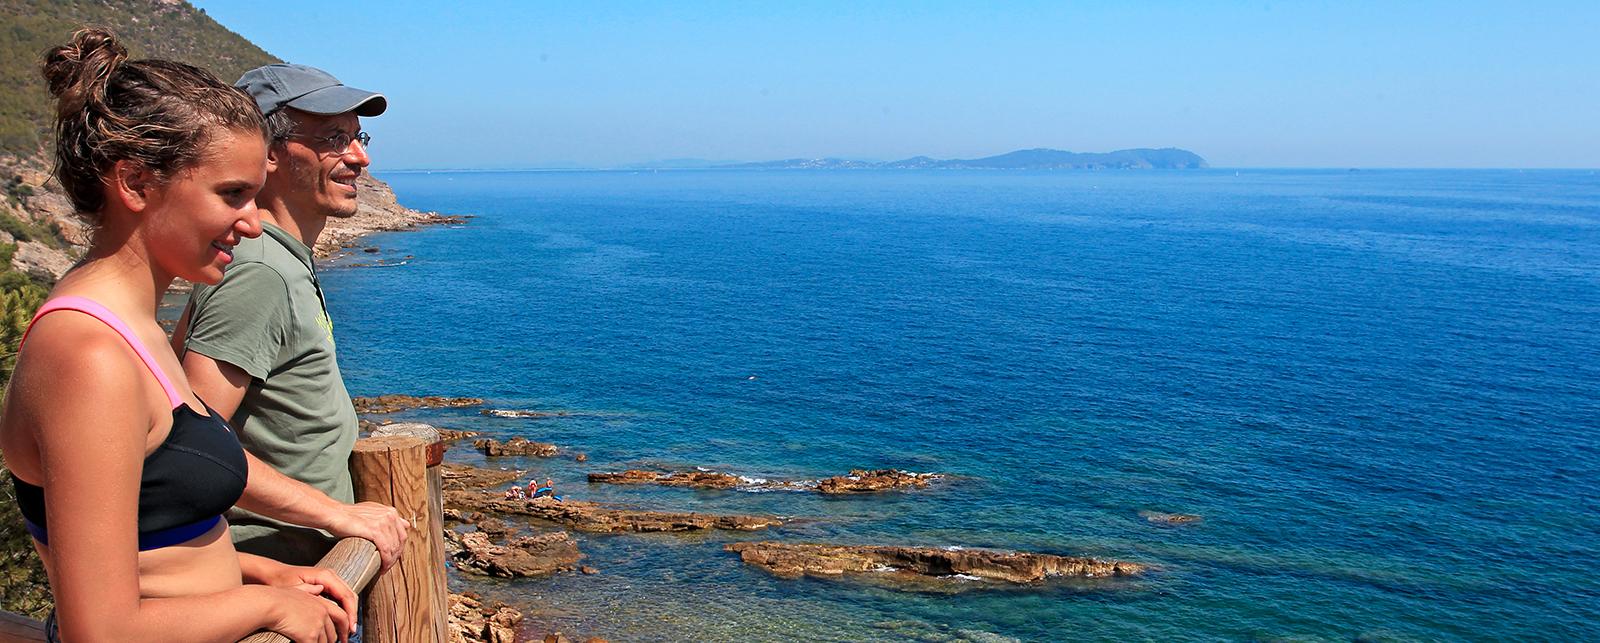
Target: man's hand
[[378, 523]]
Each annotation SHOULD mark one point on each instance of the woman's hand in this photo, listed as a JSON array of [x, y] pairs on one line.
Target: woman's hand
[[305, 617], [312, 581]]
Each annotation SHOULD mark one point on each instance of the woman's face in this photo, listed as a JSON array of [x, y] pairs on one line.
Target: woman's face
[[194, 220]]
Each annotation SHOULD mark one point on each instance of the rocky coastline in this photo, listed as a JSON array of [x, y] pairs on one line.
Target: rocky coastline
[[51, 238], [495, 533]]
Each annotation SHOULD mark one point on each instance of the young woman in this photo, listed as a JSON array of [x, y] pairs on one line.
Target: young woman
[[121, 472]]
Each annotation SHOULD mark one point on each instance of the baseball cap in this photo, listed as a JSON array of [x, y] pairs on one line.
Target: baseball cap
[[307, 89]]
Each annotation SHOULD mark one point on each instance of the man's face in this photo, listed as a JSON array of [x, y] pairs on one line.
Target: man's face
[[314, 174]]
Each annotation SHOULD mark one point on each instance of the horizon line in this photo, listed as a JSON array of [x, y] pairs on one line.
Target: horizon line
[[623, 168]]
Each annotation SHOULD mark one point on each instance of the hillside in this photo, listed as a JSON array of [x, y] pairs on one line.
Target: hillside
[[151, 28], [1170, 158]]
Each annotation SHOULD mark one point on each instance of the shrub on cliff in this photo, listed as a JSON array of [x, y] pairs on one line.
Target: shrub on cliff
[[24, 588]]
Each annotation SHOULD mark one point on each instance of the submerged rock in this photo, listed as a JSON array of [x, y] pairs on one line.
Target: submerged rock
[[392, 403], [793, 559], [517, 558], [695, 479], [514, 446], [522, 413], [595, 517], [1161, 518], [471, 622], [863, 481]]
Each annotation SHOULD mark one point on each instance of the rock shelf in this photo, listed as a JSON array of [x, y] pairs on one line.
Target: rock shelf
[[858, 481], [793, 560], [393, 403], [539, 555], [864, 481], [694, 479], [460, 476], [595, 517]]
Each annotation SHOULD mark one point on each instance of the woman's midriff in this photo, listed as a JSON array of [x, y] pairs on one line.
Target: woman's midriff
[[204, 565]]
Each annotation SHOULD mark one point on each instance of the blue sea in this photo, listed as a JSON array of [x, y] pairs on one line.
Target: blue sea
[[1380, 390]]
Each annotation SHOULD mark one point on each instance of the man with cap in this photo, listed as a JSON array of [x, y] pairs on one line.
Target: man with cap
[[258, 347]]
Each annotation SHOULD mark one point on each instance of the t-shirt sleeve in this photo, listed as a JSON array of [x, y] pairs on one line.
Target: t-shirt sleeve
[[243, 321]]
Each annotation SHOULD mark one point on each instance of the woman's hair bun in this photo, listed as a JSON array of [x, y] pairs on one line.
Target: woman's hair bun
[[156, 113], [79, 71]]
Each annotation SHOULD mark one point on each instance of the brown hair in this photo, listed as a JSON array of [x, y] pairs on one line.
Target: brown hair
[[157, 113]]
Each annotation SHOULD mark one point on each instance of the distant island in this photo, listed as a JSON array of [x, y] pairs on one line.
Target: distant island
[[1169, 158]]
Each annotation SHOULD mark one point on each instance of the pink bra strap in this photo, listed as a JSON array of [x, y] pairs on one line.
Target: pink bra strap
[[99, 312]]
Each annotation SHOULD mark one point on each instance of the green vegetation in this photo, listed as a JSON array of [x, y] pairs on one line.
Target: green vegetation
[[31, 230], [150, 28], [24, 589]]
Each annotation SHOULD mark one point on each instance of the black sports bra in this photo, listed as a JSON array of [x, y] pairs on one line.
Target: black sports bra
[[197, 473]]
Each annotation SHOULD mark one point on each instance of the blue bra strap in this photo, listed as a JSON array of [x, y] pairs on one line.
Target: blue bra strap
[[153, 540], [36, 531]]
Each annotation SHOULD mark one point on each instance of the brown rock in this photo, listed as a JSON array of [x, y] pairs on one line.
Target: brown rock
[[452, 514], [861, 481], [514, 446], [791, 559], [594, 517], [556, 637], [460, 476], [471, 622], [528, 556], [582, 457], [370, 249], [392, 403], [451, 435], [495, 526], [588, 570]]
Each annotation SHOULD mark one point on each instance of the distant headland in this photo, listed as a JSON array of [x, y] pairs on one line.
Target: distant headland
[[1169, 158]]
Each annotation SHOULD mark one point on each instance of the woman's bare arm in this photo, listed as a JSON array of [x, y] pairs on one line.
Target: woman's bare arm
[[89, 401]]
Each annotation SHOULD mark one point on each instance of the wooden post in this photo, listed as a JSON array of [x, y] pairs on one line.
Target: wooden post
[[407, 603]]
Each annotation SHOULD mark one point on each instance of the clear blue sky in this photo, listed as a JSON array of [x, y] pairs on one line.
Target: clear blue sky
[[1257, 84]]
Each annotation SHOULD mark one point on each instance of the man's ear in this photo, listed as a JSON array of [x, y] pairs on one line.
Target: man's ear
[[274, 149], [132, 184]]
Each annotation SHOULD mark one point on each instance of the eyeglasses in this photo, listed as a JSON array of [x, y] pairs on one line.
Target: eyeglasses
[[339, 142]]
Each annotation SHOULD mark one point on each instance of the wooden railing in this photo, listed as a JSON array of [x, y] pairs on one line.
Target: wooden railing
[[355, 560], [399, 467]]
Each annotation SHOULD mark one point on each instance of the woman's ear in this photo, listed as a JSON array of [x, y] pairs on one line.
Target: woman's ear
[[132, 184], [272, 157]]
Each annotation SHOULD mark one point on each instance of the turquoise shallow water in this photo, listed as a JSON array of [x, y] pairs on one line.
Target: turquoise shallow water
[[1378, 388]]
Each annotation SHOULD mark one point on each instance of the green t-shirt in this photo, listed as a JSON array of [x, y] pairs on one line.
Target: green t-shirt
[[268, 318]]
